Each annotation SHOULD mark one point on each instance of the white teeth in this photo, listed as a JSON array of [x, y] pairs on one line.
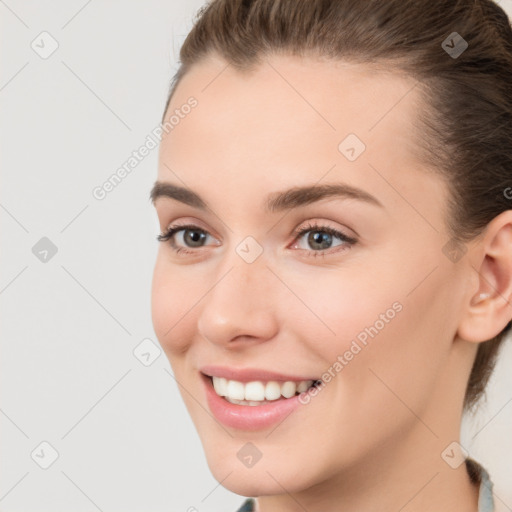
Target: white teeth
[[288, 389], [220, 385], [236, 390], [256, 392], [243, 402], [303, 386], [272, 390]]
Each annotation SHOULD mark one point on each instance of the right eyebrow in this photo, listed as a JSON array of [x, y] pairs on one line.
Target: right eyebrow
[[276, 201]]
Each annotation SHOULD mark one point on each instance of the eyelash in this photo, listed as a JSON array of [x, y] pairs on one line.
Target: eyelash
[[349, 241]]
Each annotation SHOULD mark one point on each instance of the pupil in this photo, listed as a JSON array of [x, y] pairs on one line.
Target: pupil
[[194, 236], [319, 237]]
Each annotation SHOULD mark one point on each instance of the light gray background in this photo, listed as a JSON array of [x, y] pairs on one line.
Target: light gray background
[[69, 326]]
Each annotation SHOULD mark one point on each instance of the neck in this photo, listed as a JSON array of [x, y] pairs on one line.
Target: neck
[[407, 475]]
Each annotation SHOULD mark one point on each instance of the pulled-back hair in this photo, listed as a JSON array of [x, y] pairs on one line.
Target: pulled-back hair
[[466, 113]]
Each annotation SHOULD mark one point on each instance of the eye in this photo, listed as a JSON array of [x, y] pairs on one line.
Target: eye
[[190, 234], [320, 239]]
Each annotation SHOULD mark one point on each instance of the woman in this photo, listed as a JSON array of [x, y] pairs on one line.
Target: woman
[[335, 273]]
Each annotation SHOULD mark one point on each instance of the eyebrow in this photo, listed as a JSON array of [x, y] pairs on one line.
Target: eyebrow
[[276, 201]]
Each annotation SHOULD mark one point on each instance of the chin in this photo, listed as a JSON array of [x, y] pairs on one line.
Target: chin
[[265, 478], [249, 484]]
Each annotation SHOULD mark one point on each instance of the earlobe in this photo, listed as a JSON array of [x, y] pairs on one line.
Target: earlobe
[[489, 308]]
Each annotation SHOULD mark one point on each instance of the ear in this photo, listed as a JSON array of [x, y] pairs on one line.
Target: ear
[[489, 303]]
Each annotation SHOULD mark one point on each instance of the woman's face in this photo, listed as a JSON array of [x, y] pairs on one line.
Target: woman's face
[[374, 303]]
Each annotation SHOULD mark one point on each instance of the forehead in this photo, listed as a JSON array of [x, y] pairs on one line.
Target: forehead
[[290, 118], [296, 80], [288, 100]]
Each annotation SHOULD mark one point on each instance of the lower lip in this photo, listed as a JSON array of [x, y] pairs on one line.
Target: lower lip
[[248, 417]]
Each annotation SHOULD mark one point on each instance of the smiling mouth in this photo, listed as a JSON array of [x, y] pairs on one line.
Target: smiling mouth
[[258, 392]]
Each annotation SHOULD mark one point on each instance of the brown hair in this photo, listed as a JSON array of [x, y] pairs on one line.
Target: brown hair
[[465, 120]]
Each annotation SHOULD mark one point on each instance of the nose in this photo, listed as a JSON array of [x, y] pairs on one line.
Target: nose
[[240, 307]]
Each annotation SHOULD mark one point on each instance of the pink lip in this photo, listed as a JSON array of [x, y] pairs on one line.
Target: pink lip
[[249, 374], [247, 417]]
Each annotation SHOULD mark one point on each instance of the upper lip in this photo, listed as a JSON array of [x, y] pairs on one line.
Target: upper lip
[[249, 374]]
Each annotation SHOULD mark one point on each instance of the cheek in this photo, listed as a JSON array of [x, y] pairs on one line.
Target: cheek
[[371, 326], [339, 307], [404, 341], [172, 297]]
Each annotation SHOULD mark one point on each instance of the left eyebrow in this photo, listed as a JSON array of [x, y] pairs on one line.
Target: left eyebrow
[[182, 194], [276, 201]]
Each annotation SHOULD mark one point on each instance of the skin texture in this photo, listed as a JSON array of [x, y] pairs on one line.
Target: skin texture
[[372, 438]]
